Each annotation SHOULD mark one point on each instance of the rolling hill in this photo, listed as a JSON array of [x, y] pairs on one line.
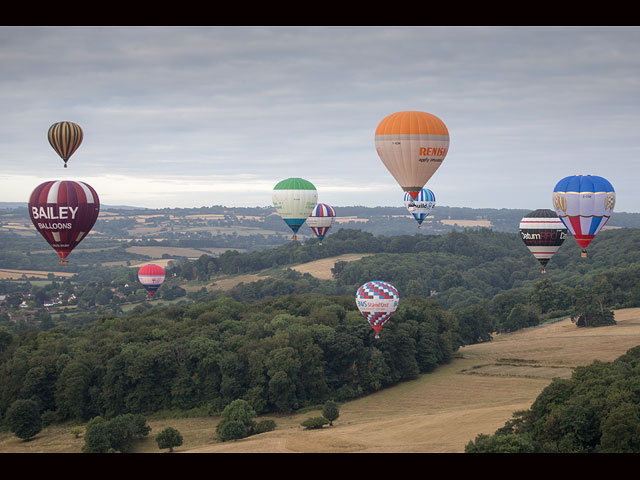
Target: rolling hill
[[438, 412]]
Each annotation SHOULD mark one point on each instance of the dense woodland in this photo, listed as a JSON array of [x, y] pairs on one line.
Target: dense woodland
[[279, 355], [291, 341]]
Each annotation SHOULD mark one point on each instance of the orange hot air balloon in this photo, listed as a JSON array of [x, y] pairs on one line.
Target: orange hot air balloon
[[412, 145]]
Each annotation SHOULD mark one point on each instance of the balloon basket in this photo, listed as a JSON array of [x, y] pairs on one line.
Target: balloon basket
[[543, 271], [64, 263], [584, 254], [377, 336]]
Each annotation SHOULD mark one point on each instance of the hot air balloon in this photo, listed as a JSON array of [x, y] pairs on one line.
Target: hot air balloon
[[151, 277], [65, 138], [377, 301], [584, 203], [543, 233], [412, 145], [64, 212], [321, 220], [421, 205], [294, 199]]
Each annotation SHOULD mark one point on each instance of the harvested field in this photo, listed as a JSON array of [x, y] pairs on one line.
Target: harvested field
[[318, 268], [161, 262], [351, 219], [468, 223], [157, 252], [230, 282], [17, 274], [322, 268]]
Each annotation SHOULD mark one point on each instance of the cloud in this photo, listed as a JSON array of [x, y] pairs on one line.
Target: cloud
[[186, 109]]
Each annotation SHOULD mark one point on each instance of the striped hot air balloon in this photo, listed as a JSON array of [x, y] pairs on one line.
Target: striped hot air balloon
[[543, 233], [377, 301], [151, 277], [65, 138], [584, 203], [64, 212], [421, 206], [412, 145], [294, 199], [321, 220]]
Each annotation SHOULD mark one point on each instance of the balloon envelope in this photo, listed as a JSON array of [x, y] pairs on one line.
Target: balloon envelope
[[151, 277], [321, 220], [64, 212], [294, 199], [584, 203], [412, 145], [421, 206], [65, 138], [543, 233], [377, 301]]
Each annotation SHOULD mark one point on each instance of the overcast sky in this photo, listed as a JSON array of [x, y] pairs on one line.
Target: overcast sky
[[191, 117]]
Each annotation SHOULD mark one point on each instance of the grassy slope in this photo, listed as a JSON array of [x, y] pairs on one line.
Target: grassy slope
[[438, 412]]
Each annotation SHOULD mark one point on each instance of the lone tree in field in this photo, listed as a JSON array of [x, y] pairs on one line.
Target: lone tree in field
[[330, 411], [169, 438], [237, 421], [23, 418]]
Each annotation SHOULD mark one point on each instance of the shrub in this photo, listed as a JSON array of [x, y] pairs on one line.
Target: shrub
[[314, 422], [231, 430], [265, 426]]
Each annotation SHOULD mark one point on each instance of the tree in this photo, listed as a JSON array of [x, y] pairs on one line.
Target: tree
[[589, 308], [543, 295], [506, 443], [330, 411], [71, 393], [237, 421], [621, 430], [169, 438], [520, 316], [96, 437], [475, 324], [23, 418], [115, 435]]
